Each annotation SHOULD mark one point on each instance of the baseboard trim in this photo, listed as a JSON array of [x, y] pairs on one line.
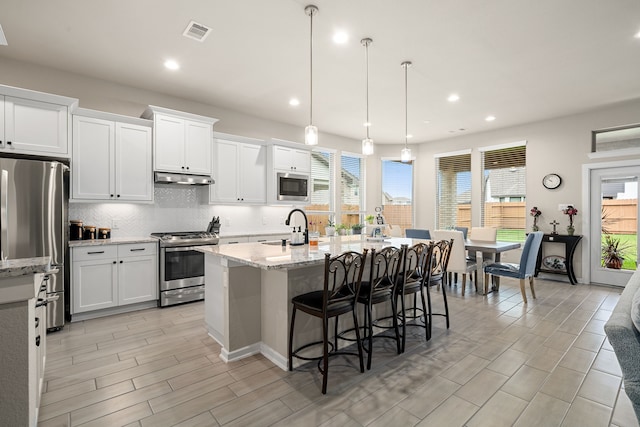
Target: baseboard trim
[[240, 353]]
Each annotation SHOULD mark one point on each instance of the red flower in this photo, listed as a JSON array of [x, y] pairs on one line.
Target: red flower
[[571, 211], [535, 212]]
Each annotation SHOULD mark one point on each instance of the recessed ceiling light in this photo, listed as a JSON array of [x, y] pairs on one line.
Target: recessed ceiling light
[[171, 64], [490, 118], [453, 97], [340, 37], [294, 102], [426, 122], [366, 124], [409, 136], [637, 35]]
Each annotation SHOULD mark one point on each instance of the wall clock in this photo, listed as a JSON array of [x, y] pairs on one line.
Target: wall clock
[[552, 181]]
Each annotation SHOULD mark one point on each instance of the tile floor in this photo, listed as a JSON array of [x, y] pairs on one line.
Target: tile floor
[[501, 363]]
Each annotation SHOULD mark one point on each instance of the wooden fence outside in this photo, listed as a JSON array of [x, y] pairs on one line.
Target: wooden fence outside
[[621, 215]]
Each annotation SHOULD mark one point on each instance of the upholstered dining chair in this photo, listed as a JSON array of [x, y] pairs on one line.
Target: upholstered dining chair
[[458, 262], [342, 279], [525, 270], [465, 231], [417, 233]]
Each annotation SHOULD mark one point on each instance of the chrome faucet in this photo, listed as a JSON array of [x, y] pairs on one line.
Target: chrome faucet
[[306, 223]]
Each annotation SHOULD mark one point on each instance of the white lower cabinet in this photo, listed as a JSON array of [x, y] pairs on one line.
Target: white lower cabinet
[[105, 276]]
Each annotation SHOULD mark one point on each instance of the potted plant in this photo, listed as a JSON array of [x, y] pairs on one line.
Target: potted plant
[[535, 213], [369, 219], [613, 252], [330, 228], [571, 211], [357, 228], [341, 229]]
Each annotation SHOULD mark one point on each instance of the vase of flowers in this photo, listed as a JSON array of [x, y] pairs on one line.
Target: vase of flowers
[[535, 213], [571, 211]]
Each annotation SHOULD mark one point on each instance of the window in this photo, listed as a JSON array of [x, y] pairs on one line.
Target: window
[[619, 138], [321, 208], [397, 193], [454, 190], [351, 188], [504, 190]]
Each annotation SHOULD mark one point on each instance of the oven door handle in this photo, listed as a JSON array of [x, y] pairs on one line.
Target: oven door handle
[[180, 249]]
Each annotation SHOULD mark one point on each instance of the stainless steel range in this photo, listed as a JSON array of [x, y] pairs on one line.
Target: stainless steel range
[[181, 266]]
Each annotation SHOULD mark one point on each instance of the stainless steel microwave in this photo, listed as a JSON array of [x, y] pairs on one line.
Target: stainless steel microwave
[[292, 187]]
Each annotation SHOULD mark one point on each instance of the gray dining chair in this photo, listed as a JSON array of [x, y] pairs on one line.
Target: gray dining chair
[[525, 270], [417, 233]]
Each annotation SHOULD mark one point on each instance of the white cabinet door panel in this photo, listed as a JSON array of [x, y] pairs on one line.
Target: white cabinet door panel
[[36, 127], [137, 279], [133, 162], [225, 173], [198, 148], [2, 136], [301, 161], [252, 167], [92, 164], [94, 285], [170, 143]]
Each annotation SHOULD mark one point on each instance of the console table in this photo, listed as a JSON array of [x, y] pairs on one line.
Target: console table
[[570, 243]]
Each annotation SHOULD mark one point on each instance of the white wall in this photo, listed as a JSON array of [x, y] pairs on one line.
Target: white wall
[[560, 145]]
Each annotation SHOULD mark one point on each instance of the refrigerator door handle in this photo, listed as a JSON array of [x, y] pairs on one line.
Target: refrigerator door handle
[[4, 220]]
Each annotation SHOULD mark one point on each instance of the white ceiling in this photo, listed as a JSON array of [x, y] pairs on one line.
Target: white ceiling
[[519, 60]]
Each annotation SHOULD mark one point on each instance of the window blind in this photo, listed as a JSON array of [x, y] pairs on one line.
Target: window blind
[[351, 189], [321, 207], [454, 191], [504, 191]]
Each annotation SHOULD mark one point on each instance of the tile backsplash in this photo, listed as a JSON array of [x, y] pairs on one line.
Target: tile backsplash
[[179, 208]]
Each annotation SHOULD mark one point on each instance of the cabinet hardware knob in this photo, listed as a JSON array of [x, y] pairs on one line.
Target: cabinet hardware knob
[[37, 322], [121, 262], [110, 195], [8, 142], [187, 167], [38, 341], [118, 195], [182, 167], [114, 262]]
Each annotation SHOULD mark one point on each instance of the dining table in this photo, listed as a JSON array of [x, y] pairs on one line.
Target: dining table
[[495, 248]]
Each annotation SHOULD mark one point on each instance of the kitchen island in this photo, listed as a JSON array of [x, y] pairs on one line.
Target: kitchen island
[[249, 286], [22, 339]]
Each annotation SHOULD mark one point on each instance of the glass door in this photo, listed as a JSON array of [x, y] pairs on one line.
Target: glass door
[[614, 224]]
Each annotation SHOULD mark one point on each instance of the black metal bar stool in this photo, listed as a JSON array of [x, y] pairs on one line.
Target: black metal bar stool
[[342, 278], [414, 275], [439, 262], [384, 270]]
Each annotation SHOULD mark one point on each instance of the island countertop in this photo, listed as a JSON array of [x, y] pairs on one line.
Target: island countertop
[[272, 255], [24, 266]]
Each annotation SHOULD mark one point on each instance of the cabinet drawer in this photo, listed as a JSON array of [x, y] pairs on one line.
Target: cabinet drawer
[[137, 249], [94, 252]]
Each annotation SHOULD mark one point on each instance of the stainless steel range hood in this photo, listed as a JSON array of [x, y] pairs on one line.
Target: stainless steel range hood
[[177, 178]]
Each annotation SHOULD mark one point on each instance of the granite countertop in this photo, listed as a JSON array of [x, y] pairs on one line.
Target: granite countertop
[[277, 256], [114, 241], [24, 266]]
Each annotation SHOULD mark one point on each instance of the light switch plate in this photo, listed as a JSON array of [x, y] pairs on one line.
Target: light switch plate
[[115, 224]]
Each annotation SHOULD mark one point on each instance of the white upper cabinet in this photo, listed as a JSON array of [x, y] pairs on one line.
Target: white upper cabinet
[[34, 122], [291, 159], [111, 158], [239, 170], [182, 141]]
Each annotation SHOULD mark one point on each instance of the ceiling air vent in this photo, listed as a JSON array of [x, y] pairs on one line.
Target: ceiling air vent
[[196, 31]]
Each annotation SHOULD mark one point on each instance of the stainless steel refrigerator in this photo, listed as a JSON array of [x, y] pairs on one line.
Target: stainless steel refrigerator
[[33, 218]]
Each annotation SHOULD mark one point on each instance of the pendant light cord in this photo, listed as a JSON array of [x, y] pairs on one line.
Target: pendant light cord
[[366, 46], [406, 114], [311, 13]]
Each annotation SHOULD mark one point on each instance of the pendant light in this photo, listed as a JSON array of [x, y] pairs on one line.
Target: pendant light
[[367, 143], [311, 132], [405, 154]]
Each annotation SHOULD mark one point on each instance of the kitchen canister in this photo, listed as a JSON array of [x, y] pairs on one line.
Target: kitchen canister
[[104, 233], [90, 232], [76, 229]]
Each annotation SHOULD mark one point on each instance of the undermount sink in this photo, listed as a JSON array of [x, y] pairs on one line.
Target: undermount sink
[[274, 242]]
